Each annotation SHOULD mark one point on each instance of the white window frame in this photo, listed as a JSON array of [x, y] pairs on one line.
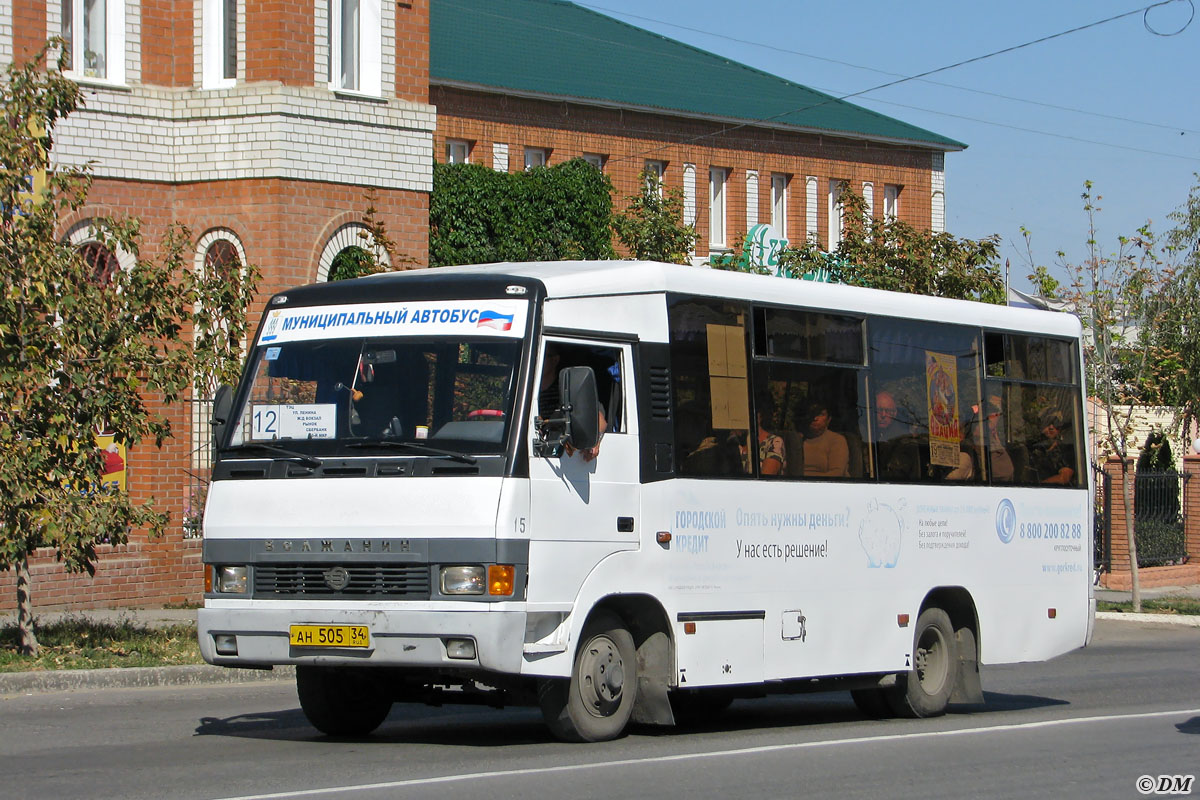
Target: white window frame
[[114, 40], [837, 213], [718, 177], [536, 157], [458, 151], [367, 38], [595, 159], [215, 43], [779, 205], [659, 169], [891, 202], [751, 198]]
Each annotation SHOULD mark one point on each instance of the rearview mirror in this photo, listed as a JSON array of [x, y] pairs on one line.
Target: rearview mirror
[[222, 409], [577, 420], [581, 403]]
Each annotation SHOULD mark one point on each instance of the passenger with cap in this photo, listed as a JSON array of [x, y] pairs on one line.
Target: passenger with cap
[[1052, 459]]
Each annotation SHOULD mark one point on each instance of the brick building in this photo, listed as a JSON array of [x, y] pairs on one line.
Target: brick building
[[263, 124], [528, 82]]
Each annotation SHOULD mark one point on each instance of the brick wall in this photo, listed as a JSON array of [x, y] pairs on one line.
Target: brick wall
[[167, 36], [28, 28], [412, 50], [279, 43], [628, 139]]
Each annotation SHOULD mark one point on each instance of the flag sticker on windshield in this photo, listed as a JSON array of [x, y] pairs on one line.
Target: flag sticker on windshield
[[494, 319]]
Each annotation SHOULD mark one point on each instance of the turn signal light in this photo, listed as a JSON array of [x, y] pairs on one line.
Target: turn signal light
[[501, 579]]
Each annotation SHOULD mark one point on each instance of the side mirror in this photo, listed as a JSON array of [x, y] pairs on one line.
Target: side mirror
[[576, 421], [581, 404], [222, 409]]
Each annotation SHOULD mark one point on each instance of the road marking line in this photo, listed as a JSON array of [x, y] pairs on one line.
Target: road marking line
[[771, 748]]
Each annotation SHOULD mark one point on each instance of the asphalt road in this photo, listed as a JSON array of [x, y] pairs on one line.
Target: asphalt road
[[1089, 724]]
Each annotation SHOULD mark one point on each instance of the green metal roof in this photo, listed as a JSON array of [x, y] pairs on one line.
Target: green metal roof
[[557, 49]]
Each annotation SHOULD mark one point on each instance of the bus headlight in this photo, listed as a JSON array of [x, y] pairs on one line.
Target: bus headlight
[[463, 580], [229, 580]]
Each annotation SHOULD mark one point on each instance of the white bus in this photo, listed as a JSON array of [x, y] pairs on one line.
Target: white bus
[[630, 491]]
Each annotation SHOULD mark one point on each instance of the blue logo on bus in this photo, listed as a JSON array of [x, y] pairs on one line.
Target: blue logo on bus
[[1006, 520]]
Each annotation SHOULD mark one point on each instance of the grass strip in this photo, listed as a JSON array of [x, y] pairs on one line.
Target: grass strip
[[1157, 605], [77, 642]]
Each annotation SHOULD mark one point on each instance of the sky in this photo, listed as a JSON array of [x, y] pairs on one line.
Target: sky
[[1116, 103]]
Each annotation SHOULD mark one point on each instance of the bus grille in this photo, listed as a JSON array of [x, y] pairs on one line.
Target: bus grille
[[350, 582]]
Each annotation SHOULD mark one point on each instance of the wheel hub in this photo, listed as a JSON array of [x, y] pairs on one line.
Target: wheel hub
[[931, 661], [603, 675]]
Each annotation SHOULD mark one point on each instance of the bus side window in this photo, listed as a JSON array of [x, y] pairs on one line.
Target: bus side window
[[605, 362]]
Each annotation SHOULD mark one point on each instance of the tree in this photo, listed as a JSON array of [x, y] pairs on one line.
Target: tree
[[888, 253], [1180, 300], [651, 228], [1121, 299], [86, 345]]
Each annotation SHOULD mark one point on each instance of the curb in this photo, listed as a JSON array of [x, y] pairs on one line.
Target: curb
[[67, 680], [1190, 620]]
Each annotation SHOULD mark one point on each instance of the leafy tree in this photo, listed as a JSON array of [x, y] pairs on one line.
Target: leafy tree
[[1180, 299], [651, 228], [85, 345], [894, 255], [1122, 300], [478, 215]]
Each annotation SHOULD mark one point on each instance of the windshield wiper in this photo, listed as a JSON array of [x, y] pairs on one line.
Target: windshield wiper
[[415, 447], [291, 455]]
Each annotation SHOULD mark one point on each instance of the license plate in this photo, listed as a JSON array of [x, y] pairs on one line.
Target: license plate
[[329, 636]]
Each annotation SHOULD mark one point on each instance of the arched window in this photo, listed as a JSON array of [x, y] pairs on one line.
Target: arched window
[[101, 263], [348, 254], [351, 262], [221, 257]]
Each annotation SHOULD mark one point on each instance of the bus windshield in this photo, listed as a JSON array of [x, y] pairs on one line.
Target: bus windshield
[[322, 395]]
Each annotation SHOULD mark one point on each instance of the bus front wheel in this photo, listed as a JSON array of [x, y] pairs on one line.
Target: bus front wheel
[[925, 690], [596, 702], [341, 702]]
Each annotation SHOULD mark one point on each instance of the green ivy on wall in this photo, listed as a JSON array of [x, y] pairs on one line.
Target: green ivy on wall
[[478, 215]]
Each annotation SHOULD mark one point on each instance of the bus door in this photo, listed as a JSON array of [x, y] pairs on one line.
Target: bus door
[[576, 499]]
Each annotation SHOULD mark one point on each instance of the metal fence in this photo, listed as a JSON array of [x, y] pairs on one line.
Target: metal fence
[[1102, 534], [1159, 510], [200, 464], [1158, 516]]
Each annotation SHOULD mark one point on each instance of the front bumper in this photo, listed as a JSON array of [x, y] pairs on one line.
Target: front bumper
[[397, 638]]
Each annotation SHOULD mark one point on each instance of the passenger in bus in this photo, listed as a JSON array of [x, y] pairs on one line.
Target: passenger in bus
[[1052, 460], [965, 471], [826, 454], [897, 454], [1000, 462], [772, 453]]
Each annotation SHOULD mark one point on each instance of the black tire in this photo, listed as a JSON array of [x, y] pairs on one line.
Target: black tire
[[925, 690], [596, 702], [341, 702], [873, 703], [691, 707]]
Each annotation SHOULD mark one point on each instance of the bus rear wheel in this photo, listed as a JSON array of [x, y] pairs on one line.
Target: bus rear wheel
[[596, 702], [925, 690], [341, 702]]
